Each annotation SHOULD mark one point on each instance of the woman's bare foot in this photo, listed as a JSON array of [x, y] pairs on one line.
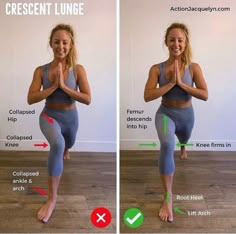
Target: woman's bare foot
[[183, 153], [66, 155], [166, 212], [46, 210]]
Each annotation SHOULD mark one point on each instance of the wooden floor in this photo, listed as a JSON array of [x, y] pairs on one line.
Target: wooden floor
[[88, 181], [210, 174]]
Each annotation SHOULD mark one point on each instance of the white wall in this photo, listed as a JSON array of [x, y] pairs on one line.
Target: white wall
[[24, 46], [213, 36]]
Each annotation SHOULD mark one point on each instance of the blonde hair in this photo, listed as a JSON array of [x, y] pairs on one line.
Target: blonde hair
[[71, 59], [187, 54]]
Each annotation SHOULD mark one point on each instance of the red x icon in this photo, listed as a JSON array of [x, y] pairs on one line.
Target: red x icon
[[100, 217]]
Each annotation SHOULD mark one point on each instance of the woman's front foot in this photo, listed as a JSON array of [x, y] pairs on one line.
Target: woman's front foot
[[46, 210], [166, 211]]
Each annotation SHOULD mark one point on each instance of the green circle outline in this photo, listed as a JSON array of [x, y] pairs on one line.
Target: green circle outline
[[131, 212]]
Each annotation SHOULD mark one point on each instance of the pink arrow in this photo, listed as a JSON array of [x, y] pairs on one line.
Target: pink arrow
[[49, 119], [41, 191], [42, 144]]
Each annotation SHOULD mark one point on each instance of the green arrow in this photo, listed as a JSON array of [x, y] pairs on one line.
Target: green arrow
[[165, 124], [167, 197], [153, 144], [179, 144], [176, 209]]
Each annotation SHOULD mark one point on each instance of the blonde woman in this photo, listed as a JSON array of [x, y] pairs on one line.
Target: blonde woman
[[176, 80], [61, 82]]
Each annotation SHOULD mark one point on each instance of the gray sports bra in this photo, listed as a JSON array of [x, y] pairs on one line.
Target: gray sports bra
[[59, 96], [176, 93]]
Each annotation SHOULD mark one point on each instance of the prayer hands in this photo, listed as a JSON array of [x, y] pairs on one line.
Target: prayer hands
[[177, 73], [176, 77], [60, 76]]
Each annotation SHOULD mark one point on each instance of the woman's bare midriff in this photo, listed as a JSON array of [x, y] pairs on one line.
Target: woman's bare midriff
[[61, 106], [180, 104]]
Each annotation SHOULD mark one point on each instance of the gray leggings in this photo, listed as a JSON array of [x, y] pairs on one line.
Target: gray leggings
[[60, 133], [179, 122]]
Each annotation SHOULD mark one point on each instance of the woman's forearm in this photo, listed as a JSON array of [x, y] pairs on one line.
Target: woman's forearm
[[152, 94], [84, 98], [195, 92], [37, 96]]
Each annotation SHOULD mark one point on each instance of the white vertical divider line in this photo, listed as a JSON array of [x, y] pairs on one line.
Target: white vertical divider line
[[117, 116]]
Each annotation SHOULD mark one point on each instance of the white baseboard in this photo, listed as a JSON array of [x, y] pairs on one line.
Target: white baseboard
[[82, 146], [214, 145]]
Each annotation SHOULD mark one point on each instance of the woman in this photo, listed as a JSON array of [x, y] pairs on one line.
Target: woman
[[60, 81], [175, 78]]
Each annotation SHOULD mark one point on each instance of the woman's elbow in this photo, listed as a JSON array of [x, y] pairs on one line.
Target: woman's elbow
[[205, 97], [147, 97], [30, 101], [88, 100]]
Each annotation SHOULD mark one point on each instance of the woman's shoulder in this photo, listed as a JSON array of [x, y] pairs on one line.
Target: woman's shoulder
[[39, 71], [154, 71], [80, 71], [40, 68], [156, 68], [195, 69], [79, 67], [194, 66], [158, 65]]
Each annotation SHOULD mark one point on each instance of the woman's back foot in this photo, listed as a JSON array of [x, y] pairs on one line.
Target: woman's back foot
[[183, 154], [66, 155]]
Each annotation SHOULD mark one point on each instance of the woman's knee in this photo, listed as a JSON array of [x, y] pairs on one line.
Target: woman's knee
[[167, 165], [55, 162], [167, 144], [70, 138], [69, 143], [184, 136], [57, 145]]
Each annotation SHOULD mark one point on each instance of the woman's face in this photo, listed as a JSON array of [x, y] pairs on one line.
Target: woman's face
[[176, 42], [61, 44]]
